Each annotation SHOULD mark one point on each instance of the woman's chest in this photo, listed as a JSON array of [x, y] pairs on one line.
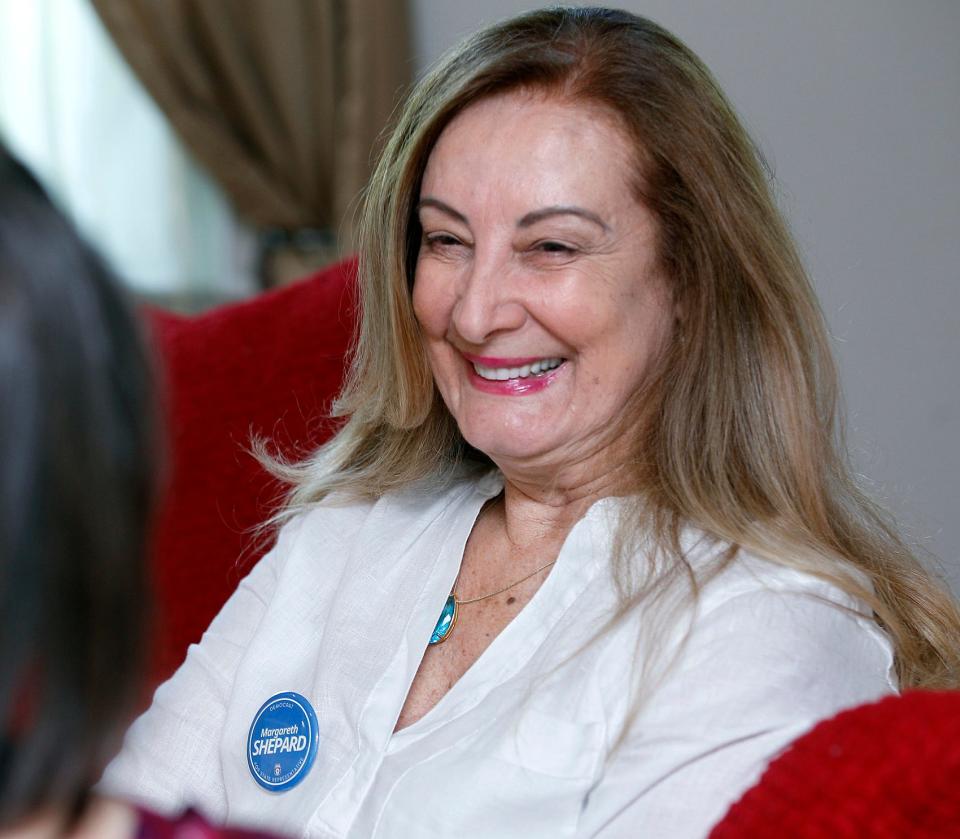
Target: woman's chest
[[494, 584], [469, 632], [515, 757], [500, 723], [515, 770]]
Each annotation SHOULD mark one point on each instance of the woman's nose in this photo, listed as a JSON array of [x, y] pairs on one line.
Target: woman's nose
[[489, 301]]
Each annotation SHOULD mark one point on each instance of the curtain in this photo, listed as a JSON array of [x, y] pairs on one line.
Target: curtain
[[281, 100]]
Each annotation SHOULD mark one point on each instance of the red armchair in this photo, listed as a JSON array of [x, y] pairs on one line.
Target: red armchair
[[265, 367], [888, 770], [271, 367]]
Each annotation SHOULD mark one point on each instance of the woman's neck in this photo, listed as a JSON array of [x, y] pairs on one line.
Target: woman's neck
[[534, 511]]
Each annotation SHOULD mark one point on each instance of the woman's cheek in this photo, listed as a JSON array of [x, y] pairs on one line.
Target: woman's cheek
[[429, 305]]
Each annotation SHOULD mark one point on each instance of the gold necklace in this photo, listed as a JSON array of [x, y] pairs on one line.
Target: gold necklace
[[448, 615]]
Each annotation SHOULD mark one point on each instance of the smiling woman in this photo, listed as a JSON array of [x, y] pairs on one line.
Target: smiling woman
[[585, 554]]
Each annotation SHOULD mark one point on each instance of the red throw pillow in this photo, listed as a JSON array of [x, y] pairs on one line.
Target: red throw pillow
[[270, 367], [888, 770]]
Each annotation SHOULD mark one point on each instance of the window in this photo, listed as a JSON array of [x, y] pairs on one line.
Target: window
[[73, 111]]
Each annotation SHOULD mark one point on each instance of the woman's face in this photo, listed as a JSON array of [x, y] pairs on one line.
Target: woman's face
[[536, 283]]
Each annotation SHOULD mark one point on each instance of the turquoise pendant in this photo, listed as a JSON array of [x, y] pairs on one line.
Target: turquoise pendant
[[448, 617]]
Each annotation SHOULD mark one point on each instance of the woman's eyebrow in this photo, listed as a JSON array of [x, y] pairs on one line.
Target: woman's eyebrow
[[538, 215], [436, 203]]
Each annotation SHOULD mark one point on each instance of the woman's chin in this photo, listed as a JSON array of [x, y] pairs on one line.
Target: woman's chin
[[514, 452]]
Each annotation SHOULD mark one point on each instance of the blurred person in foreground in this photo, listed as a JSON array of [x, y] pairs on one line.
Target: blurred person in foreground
[[77, 458], [586, 553]]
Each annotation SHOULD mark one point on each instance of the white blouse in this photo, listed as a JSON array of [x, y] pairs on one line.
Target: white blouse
[[523, 745]]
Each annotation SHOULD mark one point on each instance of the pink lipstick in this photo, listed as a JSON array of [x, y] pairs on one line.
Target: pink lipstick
[[512, 376]]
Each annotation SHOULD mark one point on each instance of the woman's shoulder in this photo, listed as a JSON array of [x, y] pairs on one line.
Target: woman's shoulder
[[341, 518], [727, 573], [789, 602], [418, 497]]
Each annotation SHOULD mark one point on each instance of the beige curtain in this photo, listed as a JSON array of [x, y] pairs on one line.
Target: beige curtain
[[281, 100]]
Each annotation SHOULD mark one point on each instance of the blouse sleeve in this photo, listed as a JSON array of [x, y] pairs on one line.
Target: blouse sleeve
[[757, 671], [170, 755]]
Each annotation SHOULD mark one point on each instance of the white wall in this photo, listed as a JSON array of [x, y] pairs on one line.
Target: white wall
[[857, 107]]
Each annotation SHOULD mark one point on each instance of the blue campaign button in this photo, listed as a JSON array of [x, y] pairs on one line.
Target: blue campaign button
[[283, 741]]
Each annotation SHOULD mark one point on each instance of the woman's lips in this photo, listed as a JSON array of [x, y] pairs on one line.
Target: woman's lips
[[514, 376]]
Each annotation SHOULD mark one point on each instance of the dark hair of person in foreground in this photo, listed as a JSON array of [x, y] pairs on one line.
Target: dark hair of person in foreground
[[77, 451]]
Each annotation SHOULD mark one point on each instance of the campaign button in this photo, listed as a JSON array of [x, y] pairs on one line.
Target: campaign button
[[283, 741]]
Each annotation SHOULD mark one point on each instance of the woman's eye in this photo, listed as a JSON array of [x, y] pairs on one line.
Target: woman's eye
[[440, 240], [552, 247]]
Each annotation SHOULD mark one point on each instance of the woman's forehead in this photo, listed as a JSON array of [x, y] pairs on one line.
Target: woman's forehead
[[503, 114], [538, 148]]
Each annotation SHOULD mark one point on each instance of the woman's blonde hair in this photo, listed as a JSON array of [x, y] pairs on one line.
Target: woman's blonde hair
[[741, 437]]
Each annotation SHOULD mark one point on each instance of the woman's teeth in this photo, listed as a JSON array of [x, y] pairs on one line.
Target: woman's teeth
[[500, 374]]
